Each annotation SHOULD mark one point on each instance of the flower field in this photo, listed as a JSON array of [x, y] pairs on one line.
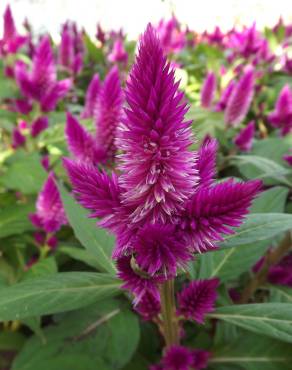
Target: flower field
[[145, 198]]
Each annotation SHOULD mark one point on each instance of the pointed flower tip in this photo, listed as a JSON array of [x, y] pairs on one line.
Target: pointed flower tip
[[208, 90], [244, 139]]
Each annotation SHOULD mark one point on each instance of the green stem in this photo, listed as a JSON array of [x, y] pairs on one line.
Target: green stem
[[168, 311]]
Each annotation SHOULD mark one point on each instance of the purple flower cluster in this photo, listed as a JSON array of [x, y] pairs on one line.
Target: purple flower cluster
[[163, 205], [281, 117]]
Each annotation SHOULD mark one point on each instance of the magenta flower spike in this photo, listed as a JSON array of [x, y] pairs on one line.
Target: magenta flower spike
[[164, 203], [108, 113], [66, 49], [288, 158], [40, 124], [281, 117], [208, 90], [244, 139], [158, 170], [17, 138], [81, 143], [91, 97], [197, 299], [41, 83], [50, 214], [240, 99], [221, 105], [118, 53], [11, 40], [177, 358]]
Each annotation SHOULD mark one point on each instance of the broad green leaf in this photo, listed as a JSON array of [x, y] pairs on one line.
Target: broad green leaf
[[96, 240], [280, 294], [79, 254], [56, 293], [106, 333], [229, 263], [254, 352], [25, 174], [253, 166], [41, 268], [14, 219], [270, 319], [272, 200], [257, 227]]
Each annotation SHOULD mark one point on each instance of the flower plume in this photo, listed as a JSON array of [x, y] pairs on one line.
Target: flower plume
[[208, 90]]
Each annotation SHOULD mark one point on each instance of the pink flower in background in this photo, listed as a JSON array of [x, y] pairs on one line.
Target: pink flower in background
[[240, 99], [177, 358], [11, 41], [18, 139], [197, 299], [172, 38], [118, 53], [281, 117], [288, 158], [41, 83], [50, 214], [216, 37], [148, 307], [108, 113], [208, 90], [244, 139], [38, 125], [91, 97], [221, 105]]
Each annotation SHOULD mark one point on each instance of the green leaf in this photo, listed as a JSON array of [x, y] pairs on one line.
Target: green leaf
[[25, 174], [80, 255], [254, 352], [14, 219], [96, 240], [56, 293], [41, 268], [257, 227], [253, 166], [106, 333], [11, 341], [270, 319], [281, 293], [272, 200]]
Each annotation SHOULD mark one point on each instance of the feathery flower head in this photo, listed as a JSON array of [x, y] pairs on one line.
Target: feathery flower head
[[108, 113], [177, 358], [40, 124], [18, 139], [208, 90], [148, 307], [41, 83], [118, 53], [50, 214], [240, 99], [81, 143], [281, 117], [161, 249], [197, 299], [221, 105], [91, 97], [207, 161], [200, 359], [158, 169], [214, 211], [11, 40], [244, 139], [136, 280]]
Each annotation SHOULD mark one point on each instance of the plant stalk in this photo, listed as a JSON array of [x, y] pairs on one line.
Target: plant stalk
[[170, 325], [271, 258]]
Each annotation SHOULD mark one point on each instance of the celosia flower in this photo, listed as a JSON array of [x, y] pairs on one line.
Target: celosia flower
[[136, 280], [17, 138], [91, 97], [45, 162], [81, 143], [177, 358], [200, 359], [158, 170], [288, 158], [244, 139], [240, 99], [41, 83], [148, 307], [160, 248], [108, 113], [216, 210], [281, 117], [40, 124], [22, 106], [172, 38], [197, 299], [50, 214], [216, 37], [221, 105], [100, 34], [11, 40], [118, 53], [208, 90], [159, 185]]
